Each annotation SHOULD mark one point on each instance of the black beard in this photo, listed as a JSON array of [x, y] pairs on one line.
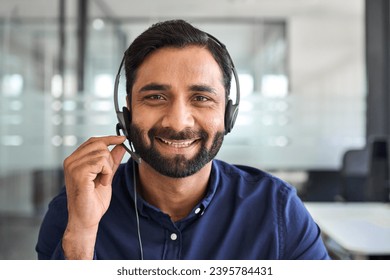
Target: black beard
[[179, 166]]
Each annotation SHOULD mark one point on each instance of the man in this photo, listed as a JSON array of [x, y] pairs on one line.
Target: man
[[177, 202]]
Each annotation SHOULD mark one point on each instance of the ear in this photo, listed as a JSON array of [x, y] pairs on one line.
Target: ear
[[231, 112], [127, 121]]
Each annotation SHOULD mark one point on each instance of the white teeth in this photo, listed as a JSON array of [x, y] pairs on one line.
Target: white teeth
[[177, 144]]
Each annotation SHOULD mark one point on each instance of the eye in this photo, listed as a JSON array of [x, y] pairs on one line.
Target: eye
[[201, 98], [154, 97]]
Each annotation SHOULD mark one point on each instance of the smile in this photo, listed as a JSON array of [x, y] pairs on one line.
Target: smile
[[177, 143]]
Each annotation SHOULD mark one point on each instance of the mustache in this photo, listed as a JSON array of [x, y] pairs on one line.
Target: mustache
[[168, 133]]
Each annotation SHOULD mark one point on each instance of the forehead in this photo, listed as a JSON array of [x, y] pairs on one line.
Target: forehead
[[189, 62]]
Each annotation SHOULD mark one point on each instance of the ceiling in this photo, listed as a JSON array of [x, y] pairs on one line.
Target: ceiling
[[185, 8]]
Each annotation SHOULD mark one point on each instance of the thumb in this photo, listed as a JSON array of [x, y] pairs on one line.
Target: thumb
[[117, 154]]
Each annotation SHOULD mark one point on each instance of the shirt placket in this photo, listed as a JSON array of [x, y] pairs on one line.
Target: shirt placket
[[173, 243]]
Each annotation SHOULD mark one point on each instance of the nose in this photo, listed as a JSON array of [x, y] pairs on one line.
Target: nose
[[178, 116]]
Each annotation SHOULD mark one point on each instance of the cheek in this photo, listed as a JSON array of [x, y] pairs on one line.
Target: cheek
[[215, 123], [143, 119], [143, 124]]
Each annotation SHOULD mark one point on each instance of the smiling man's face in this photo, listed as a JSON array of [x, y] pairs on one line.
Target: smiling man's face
[[178, 106]]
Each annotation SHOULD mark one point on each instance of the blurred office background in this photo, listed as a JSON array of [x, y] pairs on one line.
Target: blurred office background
[[314, 78]]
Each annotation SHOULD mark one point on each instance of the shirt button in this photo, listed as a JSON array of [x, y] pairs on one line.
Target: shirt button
[[197, 210], [173, 236]]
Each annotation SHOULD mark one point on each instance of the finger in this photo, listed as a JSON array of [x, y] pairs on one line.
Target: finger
[[81, 160], [105, 176], [117, 154], [99, 169], [94, 144], [112, 140], [105, 140], [94, 160], [115, 160], [111, 164]]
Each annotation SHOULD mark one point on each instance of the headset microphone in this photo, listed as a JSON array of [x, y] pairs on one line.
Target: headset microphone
[[134, 156], [123, 118]]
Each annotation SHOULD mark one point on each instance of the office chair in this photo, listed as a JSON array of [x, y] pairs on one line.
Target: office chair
[[365, 172], [354, 174]]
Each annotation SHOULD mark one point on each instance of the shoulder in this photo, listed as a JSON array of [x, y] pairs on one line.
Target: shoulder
[[58, 206], [56, 216], [279, 210], [52, 226], [123, 168], [251, 179], [122, 185], [123, 176]]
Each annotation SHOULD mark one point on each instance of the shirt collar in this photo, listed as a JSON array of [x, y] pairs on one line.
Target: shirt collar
[[149, 211]]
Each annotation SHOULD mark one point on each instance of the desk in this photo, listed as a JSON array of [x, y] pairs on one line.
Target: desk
[[354, 230]]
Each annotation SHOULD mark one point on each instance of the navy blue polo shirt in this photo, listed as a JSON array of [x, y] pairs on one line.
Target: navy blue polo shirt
[[246, 214]]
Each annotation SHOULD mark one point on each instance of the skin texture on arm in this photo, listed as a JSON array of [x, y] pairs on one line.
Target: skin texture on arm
[[88, 177]]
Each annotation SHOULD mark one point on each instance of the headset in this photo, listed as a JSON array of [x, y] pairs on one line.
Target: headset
[[124, 120]]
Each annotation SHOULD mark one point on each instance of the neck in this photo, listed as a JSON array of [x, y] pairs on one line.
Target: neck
[[174, 196]]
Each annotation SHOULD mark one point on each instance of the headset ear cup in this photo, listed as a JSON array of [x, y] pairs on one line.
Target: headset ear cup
[[230, 116], [126, 121]]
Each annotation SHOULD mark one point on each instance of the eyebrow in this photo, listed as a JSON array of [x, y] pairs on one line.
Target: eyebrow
[[203, 88], [154, 86], [161, 87]]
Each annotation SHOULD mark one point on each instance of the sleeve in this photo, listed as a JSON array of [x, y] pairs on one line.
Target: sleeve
[[300, 236], [49, 244]]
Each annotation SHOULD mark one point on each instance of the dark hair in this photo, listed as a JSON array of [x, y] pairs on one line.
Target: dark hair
[[179, 34]]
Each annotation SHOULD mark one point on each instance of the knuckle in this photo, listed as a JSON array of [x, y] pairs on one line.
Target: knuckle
[[67, 162], [102, 152], [98, 161]]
